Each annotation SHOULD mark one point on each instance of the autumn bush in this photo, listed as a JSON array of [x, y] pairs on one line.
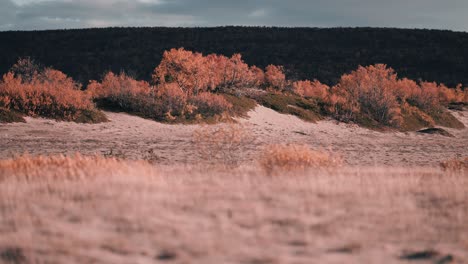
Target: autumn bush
[[370, 91], [196, 73], [310, 89], [122, 93], [166, 101], [372, 96], [45, 93], [208, 104], [283, 158], [188, 86], [275, 78]]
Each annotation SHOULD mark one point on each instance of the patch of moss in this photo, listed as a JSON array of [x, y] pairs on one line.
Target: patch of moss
[[446, 119], [8, 116], [305, 109], [93, 116], [414, 119], [241, 105]]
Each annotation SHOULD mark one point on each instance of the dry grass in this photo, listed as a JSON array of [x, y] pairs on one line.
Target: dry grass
[[223, 145], [460, 165], [186, 215], [62, 167], [293, 157]]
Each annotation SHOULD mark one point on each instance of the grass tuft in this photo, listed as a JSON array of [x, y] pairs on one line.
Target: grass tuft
[[284, 158]]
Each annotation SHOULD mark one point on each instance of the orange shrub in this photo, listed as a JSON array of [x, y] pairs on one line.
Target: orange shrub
[[185, 68], [124, 93], [196, 73], [174, 100], [340, 107], [310, 89], [48, 93], [118, 88], [282, 158], [373, 89], [275, 77], [209, 104], [256, 77]]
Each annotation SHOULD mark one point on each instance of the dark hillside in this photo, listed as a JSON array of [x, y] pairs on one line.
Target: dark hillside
[[324, 54]]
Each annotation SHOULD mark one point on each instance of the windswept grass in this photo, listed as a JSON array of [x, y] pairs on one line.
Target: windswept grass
[[114, 211], [455, 165], [62, 167], [280, 159]]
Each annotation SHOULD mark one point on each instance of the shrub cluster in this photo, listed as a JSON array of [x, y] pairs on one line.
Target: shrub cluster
[[372, 95], [196, 73], [190, 86], [165, 102], [376, 94], [45, 93]]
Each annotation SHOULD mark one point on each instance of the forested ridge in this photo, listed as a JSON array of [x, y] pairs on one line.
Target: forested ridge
[[306, 53]]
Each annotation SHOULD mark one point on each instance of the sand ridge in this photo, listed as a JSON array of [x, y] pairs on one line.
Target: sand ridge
[[133, 137]]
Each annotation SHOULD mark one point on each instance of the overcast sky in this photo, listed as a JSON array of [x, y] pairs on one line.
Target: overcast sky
[[58, 14]]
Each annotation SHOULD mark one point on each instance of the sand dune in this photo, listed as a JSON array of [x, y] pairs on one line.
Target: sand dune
[[136, 138]]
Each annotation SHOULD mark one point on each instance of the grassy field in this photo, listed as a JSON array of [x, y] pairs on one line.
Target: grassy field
[[97, 210]]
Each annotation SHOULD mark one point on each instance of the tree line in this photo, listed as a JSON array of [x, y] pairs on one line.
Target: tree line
[[305, 53]]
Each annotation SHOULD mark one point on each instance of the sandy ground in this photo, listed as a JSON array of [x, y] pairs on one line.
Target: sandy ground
[[136, 138], [190, 216]]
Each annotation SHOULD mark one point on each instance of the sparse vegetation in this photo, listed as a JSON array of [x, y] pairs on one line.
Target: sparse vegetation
[[8, 116], [60, 167], [277, 159], [455, 165], [224, 145]]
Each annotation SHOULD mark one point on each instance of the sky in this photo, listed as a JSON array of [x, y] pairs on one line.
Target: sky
[[60, 14]]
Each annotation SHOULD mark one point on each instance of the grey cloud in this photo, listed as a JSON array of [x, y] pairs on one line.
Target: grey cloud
[[52, 14]]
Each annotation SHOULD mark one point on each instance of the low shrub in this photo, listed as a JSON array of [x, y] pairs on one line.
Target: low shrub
[[119, 91], [283, 158], [8, 116], [208, 104], [48, 93], [275, 78], [310, 89]]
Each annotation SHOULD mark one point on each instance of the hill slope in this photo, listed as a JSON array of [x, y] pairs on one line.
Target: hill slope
[[324, 54]]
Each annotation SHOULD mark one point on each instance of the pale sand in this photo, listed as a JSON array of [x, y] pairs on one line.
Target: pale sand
[[190, 216], [133, 137]]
